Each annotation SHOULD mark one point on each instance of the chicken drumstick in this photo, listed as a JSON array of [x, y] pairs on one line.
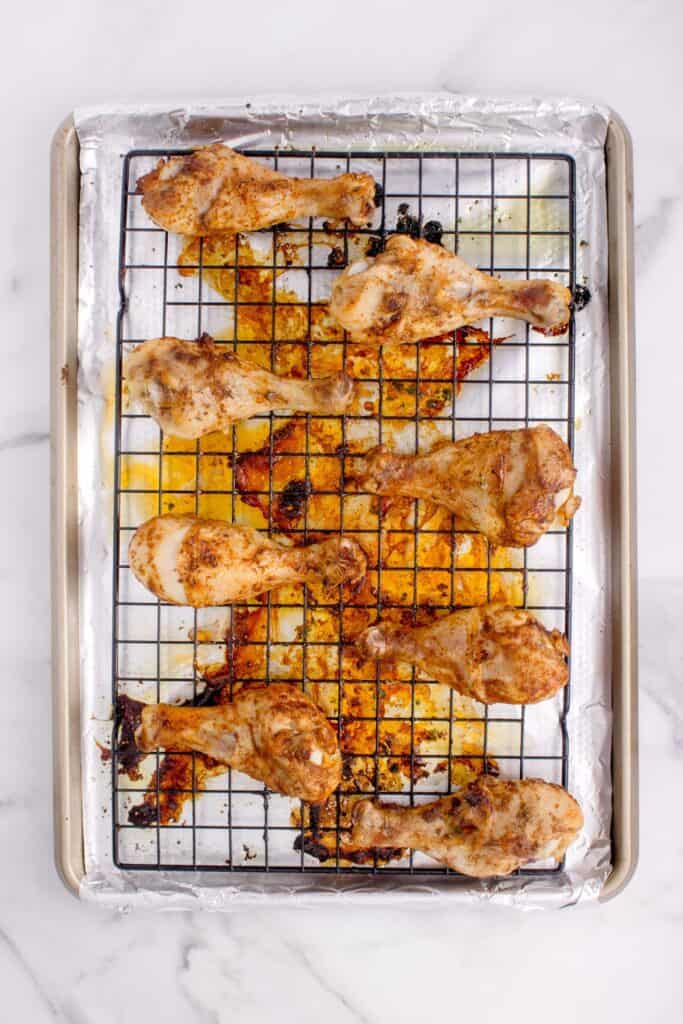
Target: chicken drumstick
[[206, 562], [274, 733], [215, 190], [492, 827], [415, 290], [510, 485], [494, 653], [192, 388]]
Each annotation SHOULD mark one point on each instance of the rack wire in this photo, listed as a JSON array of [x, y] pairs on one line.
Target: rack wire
[[511, 214]]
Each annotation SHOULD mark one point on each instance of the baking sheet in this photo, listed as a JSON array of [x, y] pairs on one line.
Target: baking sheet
[[411, 123]]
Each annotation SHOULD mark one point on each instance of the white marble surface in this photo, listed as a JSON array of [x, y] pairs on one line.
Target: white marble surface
[[60, 960]]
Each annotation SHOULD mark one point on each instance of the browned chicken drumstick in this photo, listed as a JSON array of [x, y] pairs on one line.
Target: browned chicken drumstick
[[492, 827], [193, 388], [510, 485], [273, 733], [416, 290], [206, 562], [493, 653], [216, 190]]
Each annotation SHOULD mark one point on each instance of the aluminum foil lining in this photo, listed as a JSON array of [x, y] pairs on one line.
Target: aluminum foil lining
[[412, 123]]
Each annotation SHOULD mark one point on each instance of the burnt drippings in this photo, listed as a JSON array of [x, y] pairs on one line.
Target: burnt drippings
[[433, 232], [311, 841], [210, 694], [314, 816], [406, 223], [474, 349], [410, 767], [581, 296], [325, 840], [128, 718], [312, 846], [252, 469], [355, 779], [375, 246], [379, 194], [145, 814], [379, 855], [176, 773], [288, 253], [335, 257], [292, 501], [325, 848], [105, 752], [253, 474]]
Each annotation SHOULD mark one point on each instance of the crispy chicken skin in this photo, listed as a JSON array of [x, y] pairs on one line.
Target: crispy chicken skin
[[273, 733], [192, 388], [216, 190], [510, 485], [416, 290], [490, 828], [187, 560], [493, 653]]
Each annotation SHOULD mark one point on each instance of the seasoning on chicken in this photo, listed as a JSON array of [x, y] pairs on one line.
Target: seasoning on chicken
[[187, 560], [510, 485], [492, 827], [192, 388], [216, 190], [273, 733], [416, 290], [493, 653]]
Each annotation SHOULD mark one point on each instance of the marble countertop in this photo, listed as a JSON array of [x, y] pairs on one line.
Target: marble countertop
[[60, 960]]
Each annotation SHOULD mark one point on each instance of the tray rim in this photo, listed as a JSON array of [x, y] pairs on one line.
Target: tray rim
[[619, 162], [67, 802], [64, 218]]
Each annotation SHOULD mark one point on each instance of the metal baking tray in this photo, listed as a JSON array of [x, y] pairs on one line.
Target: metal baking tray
[[68, 813]]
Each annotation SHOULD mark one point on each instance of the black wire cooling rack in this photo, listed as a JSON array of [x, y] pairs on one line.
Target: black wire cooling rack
[[512, 214]]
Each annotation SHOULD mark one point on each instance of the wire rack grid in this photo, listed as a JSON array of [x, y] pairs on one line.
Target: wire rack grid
[[511, 214]]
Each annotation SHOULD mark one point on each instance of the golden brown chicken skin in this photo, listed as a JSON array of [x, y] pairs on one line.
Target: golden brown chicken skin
[[490, 828], [216, 190], [415, 290], [188, 560], [274, 733], [510, 485], [494, 653], [192, 388]]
